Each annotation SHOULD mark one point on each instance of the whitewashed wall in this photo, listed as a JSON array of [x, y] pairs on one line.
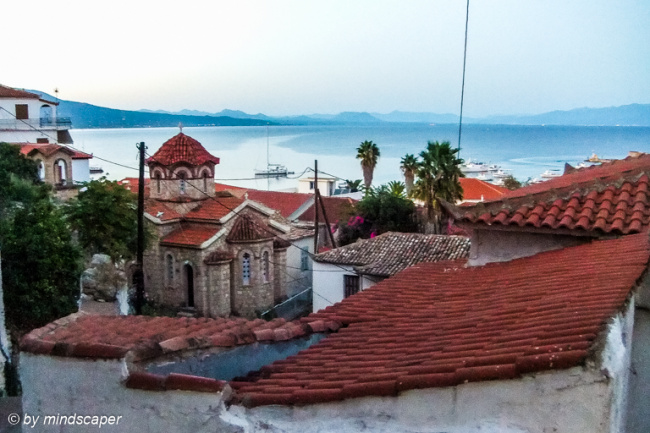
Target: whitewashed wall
[[16, 131], [80, 170], [329, 284]]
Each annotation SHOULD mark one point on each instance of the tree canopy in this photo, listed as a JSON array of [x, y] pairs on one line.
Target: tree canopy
[[438, 176], [368, 153], [409, 166], [104, 214]]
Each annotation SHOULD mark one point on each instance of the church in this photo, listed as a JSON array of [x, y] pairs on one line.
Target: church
[[215, 254]]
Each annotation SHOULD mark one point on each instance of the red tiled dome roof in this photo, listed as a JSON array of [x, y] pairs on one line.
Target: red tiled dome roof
[[182, 148]]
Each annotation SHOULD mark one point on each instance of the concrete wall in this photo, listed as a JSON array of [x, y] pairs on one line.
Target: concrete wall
[[80, 170], [505, 245]]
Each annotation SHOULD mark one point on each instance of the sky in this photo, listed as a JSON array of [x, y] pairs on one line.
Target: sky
[[291, 57]]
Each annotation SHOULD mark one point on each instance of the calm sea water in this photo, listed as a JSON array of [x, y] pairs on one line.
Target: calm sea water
[[525, 150]]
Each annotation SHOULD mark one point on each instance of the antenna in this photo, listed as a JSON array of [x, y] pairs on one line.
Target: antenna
[[56, 94]]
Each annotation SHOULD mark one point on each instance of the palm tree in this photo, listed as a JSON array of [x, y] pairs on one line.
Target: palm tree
[[353, 185], [438, 176], [409, 166], [368, 153], [396, 188]]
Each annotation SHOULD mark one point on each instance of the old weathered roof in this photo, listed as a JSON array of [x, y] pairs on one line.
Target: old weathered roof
[[432, 325], [437, 325], [10, 92], [392, 252], [182, 148], [611, 198]]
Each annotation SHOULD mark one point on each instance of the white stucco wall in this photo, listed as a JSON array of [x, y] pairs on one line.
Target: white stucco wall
[[68, 386], [22, 131], [328, 284], [504, 245], [80, 170]]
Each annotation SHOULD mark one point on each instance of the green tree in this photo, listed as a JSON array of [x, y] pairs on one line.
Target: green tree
[[409, 166], [438, 176], [106, 219], [396, 188], [353, 185], [511, 182], [40, 265], [368, 153]]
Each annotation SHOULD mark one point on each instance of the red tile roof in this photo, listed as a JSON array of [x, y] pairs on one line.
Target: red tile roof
[[284, 202], [190, 235], [436, 325], [214, 209], [337, 208], [612, 198], [479, 190], [46, 149], [10, 92], [182, 148], [248, 228], [91, 336]]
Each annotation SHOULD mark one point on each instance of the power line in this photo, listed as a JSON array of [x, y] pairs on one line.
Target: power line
[[462, 91]]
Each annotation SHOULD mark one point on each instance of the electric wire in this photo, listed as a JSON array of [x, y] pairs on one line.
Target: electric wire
[[462, 91]]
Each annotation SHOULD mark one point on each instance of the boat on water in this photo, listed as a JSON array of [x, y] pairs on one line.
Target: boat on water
[[474, 167], [550, 174], [273, 170], [501, 173]]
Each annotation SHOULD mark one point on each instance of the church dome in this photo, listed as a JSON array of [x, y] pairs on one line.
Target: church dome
[[182, 148]]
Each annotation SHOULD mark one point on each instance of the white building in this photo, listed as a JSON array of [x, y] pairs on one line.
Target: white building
[[27, 118], [326, 185]]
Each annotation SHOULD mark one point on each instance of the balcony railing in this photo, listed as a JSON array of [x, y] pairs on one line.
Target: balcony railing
[[26, 124]]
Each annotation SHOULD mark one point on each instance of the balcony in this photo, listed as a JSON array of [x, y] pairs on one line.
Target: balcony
[[57, 123]]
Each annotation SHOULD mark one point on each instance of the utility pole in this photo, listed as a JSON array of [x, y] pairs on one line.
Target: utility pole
[[316, 206], [138, 276]]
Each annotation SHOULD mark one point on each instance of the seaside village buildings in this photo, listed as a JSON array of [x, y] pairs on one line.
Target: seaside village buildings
[[541, 326], [31, 122]]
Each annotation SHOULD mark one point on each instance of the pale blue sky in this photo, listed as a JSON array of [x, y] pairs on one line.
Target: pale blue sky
[[284, 57]]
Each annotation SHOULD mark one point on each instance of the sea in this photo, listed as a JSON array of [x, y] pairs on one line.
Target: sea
[[525, 150]]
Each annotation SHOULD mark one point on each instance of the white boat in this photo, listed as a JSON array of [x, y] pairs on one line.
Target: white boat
[[501, 174], [474, 167], [549, 174], [485, 177]]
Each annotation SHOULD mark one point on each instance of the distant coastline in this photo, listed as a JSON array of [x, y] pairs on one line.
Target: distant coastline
[[88, 116]]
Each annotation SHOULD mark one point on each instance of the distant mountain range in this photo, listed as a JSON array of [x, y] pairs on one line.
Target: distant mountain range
[[91, 116]]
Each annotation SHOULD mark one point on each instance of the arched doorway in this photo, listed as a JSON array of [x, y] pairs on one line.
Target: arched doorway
[[46, 115], [189, 282]]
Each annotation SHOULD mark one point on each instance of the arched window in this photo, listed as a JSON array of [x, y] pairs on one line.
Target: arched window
[[205, 180], [170, 269], [60, 172], [41, 170], [182, 185], [265, 266], [246, 269]]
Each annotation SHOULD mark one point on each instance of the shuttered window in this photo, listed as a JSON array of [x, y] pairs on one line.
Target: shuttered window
[[351, 285]]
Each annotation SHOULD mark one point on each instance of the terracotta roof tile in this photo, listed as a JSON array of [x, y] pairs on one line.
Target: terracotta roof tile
[[248, 228], [182, 148], [609, 198], [391, 252], [10, 92], [449, 325], [190, 235], [479, 190]]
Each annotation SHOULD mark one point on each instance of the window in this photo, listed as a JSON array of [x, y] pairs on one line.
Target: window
[[182, 183], [60, 172], [205, 181], [351, 285], [246, 269], [42, 140], [304, 260], [158, 183], [170, 269], [22, 112], [311, 185], [265, 266]]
